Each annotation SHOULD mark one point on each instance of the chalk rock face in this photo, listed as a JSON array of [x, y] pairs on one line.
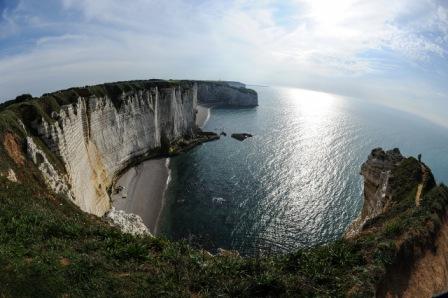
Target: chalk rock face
[[226, 94], [56, 181], [377, 192], [96, 138]]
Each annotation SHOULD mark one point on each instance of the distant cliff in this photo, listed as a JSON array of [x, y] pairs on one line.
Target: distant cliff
[[230, 94]]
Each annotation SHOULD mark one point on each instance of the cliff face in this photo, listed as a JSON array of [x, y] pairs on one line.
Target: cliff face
[[380, 185], [429, 274], [94, 132], [376, 171], [95, 140], [226, 94], [404, 221]]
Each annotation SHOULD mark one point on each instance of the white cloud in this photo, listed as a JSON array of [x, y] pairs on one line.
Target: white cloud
[[7, 25], [331, 45]]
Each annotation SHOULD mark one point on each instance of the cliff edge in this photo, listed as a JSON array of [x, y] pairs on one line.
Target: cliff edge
[[404, 208], [379, 187]]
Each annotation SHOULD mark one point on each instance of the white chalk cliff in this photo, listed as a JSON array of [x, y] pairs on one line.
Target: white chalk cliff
[[98, 134], [96, 140]]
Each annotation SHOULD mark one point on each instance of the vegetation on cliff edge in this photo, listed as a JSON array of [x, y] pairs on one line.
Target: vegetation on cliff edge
[[31, 108]]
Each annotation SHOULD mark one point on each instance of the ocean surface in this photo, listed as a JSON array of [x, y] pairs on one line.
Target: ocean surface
[[296, 183]]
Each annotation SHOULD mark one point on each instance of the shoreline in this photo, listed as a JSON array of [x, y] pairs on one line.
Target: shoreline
[[144, 185], [143, 191]]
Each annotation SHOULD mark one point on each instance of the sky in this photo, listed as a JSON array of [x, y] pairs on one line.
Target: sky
[[392, 52]]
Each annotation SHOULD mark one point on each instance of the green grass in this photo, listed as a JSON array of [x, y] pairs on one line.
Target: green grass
[[30, 108], [247, 90], [224, 83]]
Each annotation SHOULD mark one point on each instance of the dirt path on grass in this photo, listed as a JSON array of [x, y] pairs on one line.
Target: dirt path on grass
[[425, 177]]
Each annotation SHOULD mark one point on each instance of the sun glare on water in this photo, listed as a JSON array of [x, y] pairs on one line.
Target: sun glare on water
[[312, 104]]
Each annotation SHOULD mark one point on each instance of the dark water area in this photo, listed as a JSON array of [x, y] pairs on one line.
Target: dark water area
[[296, 182]]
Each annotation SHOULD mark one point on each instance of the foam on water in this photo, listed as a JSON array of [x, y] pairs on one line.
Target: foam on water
[[296, 182]]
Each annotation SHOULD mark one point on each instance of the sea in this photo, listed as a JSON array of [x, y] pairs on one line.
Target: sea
[[296, 183]]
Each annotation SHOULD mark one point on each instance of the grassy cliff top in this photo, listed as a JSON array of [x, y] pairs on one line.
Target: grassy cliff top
[[101, 90], [29, 108], [49, 248], [225, 84]]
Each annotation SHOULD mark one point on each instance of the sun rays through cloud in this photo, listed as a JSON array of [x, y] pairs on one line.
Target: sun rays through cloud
[[394, 52]]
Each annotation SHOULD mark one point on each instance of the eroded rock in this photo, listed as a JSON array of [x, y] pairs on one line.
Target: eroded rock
[[55, 180], [226, 94], [377, 171], [97, 137]]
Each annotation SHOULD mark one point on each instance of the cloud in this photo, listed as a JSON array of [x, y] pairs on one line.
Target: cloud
[[7, 24], [341, 46]]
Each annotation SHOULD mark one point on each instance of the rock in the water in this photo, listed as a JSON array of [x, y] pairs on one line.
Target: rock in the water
[[218, 200], [241, 136]]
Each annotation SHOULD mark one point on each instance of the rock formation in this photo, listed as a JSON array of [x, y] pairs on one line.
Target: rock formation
[[226, 94], [377, 171], [241, 136], [128, 222], [96, 140]]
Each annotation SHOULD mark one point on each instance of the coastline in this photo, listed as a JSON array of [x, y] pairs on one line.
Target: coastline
[[144, 186]]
